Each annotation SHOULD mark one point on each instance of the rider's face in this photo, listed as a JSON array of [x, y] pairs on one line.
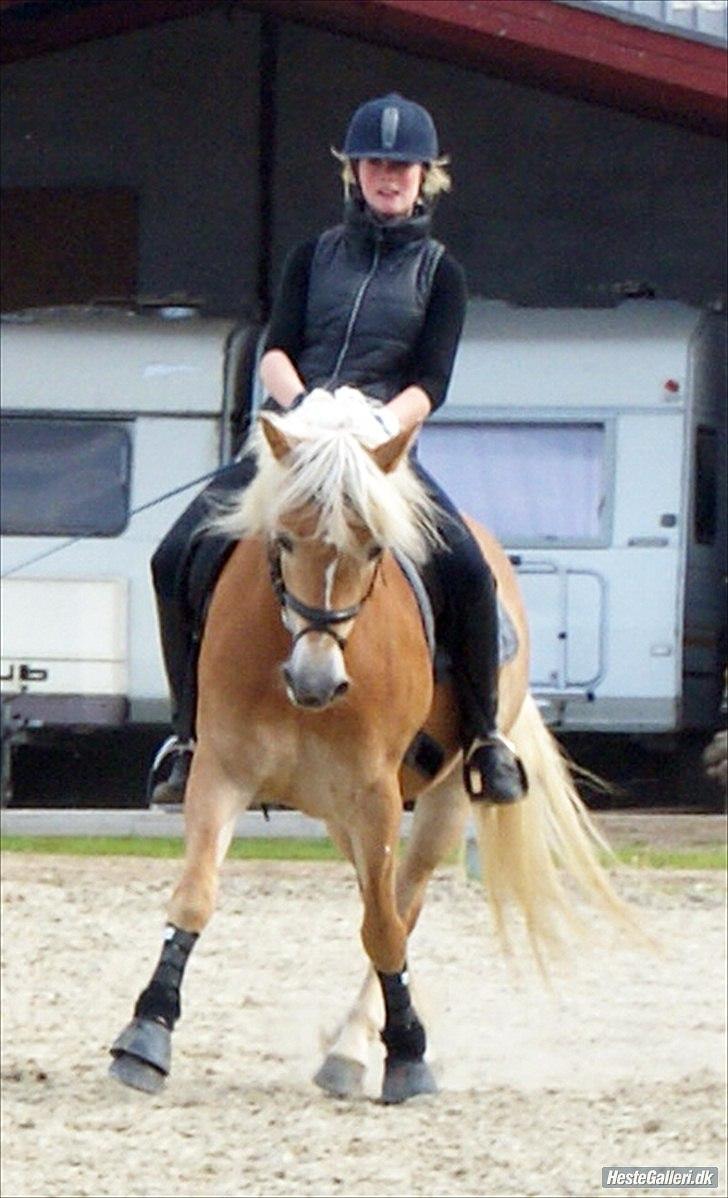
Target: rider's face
[[390, 188]]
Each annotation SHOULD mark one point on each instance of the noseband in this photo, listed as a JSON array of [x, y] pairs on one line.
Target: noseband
[[318, 619]]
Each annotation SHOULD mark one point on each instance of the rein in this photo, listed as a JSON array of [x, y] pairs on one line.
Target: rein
[[319, 618]]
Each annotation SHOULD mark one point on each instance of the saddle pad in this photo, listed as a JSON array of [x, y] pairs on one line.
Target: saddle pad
[[424, 603], [507, 636]]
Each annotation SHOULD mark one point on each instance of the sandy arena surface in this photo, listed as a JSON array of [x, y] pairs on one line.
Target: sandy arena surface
[[621, 1064]]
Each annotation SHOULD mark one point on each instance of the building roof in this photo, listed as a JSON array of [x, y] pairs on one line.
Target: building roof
[[599, 51]]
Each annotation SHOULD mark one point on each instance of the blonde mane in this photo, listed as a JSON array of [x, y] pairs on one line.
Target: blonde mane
[[330, 469]]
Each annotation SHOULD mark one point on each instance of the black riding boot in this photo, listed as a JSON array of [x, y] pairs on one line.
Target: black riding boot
[[171, 766], [491, 769]]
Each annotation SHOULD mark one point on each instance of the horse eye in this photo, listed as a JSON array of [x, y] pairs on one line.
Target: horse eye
[[375, 552], [284, 542]]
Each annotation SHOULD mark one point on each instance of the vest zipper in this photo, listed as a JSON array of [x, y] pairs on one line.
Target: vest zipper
[[358, 299]]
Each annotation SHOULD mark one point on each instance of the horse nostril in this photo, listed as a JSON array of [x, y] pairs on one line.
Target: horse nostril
[[341, 689]]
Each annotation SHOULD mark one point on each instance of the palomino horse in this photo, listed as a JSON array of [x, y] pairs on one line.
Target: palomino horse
[[314, 678]]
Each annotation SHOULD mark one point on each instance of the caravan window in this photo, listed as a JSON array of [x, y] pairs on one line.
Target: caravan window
[[64, 478], [530, 483]]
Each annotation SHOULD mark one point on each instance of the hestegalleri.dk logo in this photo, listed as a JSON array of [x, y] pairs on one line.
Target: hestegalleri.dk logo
[[615, 1177]]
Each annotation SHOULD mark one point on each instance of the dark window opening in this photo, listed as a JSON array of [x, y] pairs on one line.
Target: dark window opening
[[705, 503], [68, 245], [62, 478]]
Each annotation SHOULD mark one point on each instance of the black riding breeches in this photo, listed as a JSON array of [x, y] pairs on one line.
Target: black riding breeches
[[185, 569], [188, 562]]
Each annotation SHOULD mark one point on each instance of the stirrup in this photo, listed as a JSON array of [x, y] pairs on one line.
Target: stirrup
[[493, 772], [167, 790]]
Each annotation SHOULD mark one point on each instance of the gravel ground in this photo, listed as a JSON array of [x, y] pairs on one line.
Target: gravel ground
[[621, 1062]]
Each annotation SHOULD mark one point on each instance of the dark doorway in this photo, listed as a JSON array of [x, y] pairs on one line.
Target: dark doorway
[[68, 245]]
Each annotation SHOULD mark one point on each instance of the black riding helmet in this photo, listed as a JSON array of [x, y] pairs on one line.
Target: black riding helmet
[[393, 128]]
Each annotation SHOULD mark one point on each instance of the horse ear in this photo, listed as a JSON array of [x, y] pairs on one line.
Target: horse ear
[[390, 453], [280, 443]]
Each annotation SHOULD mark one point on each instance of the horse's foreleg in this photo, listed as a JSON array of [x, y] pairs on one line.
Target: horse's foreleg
[[374, 844], [142, 1053], [406, 1072], [437, 830], [384, 935]]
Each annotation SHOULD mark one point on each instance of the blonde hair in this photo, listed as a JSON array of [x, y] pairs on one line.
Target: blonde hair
[[436, 179]]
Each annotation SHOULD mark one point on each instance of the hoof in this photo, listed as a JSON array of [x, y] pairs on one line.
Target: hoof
[[142, 1055], [406, 1079], [341, 1076], [130, 1071]]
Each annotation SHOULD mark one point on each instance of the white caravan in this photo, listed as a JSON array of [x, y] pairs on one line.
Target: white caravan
[[104, 410], [592, 442]]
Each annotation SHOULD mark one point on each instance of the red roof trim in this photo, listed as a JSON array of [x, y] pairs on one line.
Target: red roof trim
[[573, 35], [545, 43]]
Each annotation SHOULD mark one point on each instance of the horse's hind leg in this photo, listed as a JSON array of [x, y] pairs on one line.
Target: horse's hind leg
[[438, 828], [142, 1052], [343, 1068]]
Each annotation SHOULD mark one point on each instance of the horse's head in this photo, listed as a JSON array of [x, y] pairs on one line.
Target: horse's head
[[324, 560], [321, 587], [331, 495]]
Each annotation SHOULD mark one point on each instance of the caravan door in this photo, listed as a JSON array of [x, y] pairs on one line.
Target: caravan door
[[567, 618]]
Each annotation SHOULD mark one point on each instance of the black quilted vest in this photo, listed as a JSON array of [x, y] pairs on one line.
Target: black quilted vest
[[368, 292]]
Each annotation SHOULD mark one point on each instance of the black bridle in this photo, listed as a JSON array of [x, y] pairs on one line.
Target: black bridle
[[318, 619]]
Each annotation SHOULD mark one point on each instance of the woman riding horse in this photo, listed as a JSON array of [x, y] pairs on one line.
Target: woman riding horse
[[315, 675], [376, 303]]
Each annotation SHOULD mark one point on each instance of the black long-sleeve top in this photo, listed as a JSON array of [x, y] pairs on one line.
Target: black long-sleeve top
[[434, 353]]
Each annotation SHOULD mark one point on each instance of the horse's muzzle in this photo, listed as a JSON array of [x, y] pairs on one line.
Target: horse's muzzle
[[315, 673], [313, 697]]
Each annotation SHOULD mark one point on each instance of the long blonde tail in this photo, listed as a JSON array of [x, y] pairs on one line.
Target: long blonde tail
[[538, 854]]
